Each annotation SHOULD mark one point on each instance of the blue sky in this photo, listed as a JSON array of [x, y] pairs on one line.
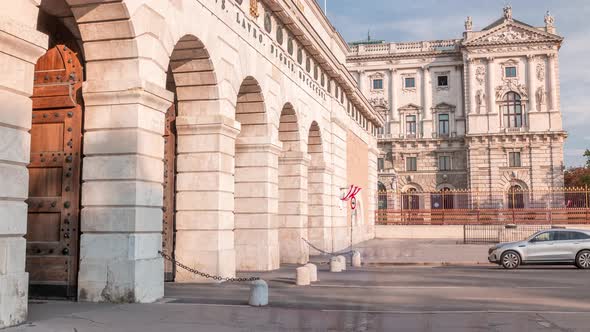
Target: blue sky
[[395, 20]]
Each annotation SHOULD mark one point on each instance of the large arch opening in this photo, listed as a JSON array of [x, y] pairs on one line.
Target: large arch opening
[[318, 181], [198, 167], [293, 168], [55, 167], [256, 184]]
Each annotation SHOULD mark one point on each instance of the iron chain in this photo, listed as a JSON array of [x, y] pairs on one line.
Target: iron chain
[[206, 275], [350, 252]]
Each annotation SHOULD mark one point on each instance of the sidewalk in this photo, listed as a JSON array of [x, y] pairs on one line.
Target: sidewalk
[[421, 252]]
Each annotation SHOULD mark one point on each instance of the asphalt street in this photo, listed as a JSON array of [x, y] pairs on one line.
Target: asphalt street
[[434, 298]]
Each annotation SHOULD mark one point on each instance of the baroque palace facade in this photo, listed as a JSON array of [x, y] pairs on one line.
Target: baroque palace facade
[[479, 113], [222, 132]]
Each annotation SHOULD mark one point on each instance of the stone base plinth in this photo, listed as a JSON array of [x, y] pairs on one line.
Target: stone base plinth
[[120, 268]]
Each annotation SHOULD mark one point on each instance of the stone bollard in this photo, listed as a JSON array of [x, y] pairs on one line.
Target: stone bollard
[[356, 259], [258, 293], [342, 262], [335, 265], [303, 276], [313, 272]]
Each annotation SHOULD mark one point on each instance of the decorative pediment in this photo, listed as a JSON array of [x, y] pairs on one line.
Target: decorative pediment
[[511, 32], [444, 107], [410, 107], [376, 75]]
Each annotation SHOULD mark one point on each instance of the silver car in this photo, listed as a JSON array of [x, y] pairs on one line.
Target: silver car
[[555, 246]]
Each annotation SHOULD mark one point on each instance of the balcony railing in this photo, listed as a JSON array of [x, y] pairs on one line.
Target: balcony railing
[[449, 45]]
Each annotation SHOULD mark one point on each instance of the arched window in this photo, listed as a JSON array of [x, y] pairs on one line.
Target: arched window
[[515, 197], [443, 199], [513, 110], [411, 201]]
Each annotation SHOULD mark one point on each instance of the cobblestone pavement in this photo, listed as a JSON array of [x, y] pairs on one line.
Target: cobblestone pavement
[[391, 298]]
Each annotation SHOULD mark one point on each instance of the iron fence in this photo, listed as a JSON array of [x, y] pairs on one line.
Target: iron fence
[[483, 234], [463, 207]]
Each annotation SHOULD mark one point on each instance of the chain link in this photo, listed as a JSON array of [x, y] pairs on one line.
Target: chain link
[[206, 275], [350, 252]]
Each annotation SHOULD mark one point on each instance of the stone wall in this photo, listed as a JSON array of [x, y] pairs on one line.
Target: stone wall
[[234, 77]]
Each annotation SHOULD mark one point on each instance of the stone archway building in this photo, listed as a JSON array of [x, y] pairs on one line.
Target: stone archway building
[[268, 129]]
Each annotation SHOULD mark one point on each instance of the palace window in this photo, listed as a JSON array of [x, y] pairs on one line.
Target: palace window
[[411, 164], [443, 124], [444, 163], [409, 82], [443, 81], [378, 84], [513, 109], [380, 164], [411, 125], [510, 71], [514, 159]]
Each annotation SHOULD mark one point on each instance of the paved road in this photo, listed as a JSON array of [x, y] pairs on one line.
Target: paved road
[[464, 298]]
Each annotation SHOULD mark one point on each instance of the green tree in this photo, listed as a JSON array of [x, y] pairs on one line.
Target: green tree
[[587, 155]]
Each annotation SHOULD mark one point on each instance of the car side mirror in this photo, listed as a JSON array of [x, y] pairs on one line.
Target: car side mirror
[[532, 240]]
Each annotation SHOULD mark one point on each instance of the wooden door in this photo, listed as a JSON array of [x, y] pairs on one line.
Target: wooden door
[[54, 175], [169, 209]]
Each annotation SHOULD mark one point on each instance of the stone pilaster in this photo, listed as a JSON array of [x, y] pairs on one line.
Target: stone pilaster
[[319, 207], [553, 85], [205, 198], [531, 83], [491, 93], [293, 210], [393, 91], [21, 47], [427, 95], [471, 85], [458, 88], [122, 197], [256, 205]]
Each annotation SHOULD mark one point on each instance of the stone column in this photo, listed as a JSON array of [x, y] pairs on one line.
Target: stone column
[[205, 198], [552, 73], [22, 45], [319, 207], [293, 214], [256, 205], [531, 86], [491, 92], [122, 195]]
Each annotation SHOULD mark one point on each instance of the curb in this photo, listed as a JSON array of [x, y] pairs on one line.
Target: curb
[[426, 263]]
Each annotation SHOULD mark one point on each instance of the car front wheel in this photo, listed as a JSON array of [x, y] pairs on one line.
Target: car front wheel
[[510, 260], [583, 259]]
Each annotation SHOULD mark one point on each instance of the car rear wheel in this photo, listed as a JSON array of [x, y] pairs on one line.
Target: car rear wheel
[[583, 259], [510, 260]]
